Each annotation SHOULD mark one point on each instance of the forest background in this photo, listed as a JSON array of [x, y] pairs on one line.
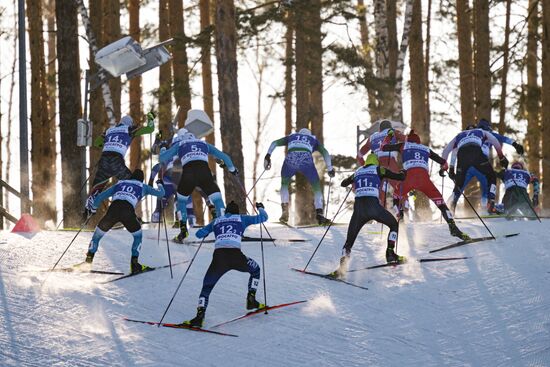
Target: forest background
[[329, 65]]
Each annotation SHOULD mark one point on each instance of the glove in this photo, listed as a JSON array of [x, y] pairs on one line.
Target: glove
[[260, 205], [442, 172], [220, 163], [150, 182], [391, 133], [452, 174], [403, 173], [267, 162], [535, 200], [519, 148], [150, 116], [160, 182], [235, 171], [504, 162], [162, 150], [93, 210], [331, 173], [158, 136]]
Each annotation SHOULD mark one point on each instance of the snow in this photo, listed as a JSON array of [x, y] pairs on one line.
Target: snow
[[490, 310]]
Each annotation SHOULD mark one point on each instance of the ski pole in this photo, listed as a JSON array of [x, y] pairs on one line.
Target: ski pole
[[253, 206], [74, 238], [328, 196], [328, 227], [442, 196], [475, 211], [263, 266], [257, 180], [181, 281], [163, 218]]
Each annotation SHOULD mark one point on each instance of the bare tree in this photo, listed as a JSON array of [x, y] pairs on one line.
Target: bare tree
[[398, 100], [206, 68], [505, 68], [69, 107], [481, 60], [112, 34], [533, 89], [366, 49], [136, 108], [228, 94], [545, 101], [165, 75]]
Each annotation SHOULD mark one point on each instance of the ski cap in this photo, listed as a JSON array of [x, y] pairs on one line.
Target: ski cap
[[232, 208], [413, 137], [371, 160], [385, 124], [137, 175], [126, 121], [484, 124], [304, 131], [517, 165]]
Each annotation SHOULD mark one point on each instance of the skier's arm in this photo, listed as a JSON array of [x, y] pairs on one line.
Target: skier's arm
[[104, 195], [277, 143], [362, 151], [248, 220], [326, 156], [502, 139], [148, 129], [383, 172], [205, 231], [168, 154], [536, 184], [453, 158], [500, 174], [99, 141], [491, 139], [154, 171], [221, 155], [435, 157], [348, 181], [448, 148], [148, 190]]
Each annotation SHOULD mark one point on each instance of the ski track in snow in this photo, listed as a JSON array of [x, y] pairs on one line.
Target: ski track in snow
[[490, 310]]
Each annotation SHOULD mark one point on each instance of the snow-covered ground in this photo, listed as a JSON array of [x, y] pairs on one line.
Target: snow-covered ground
[[490, 310]]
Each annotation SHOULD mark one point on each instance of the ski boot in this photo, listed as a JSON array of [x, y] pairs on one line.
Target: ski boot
[[284, 215], [457, 232], [184, 233], [89, 257], [393, 258], [136, 267], [198, 320], [321, 218], [251, 302], [492, 208], [343, 268]]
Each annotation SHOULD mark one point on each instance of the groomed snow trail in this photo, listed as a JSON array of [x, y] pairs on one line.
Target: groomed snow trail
[[490, 310]]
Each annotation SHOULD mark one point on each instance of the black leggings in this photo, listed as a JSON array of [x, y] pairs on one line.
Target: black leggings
[[197, 173], [123, 212], [365, 209], [516, 202], [472, 156]]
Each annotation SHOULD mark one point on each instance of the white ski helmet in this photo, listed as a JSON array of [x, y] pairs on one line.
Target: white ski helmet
[[126, 121], [181, 132], [304, 131], [188, 136]]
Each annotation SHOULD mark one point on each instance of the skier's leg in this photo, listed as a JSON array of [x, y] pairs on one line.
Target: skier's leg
[[484, 188], [383, 216], [240, 262], [358, 219], [218, 267], [104, 225]]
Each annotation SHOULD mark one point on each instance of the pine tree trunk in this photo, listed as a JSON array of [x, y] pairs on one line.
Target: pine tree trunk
[[289, 81], [366, 48], [384, 92], [10, 107], [393, 46], [427, 59], [505, 67], [42, 137], [206, 66], [398, 99], [136, 110], [69, 108], [545, 100], [165, 77], [481, 60], [228, 95], [465, 59], [533, 90], [112, 34], [51, 73]]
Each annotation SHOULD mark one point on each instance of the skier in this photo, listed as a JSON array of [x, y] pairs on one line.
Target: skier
[[193, 154], [115, 142], [387, 159], [472, 172], [415, 162], [470, 154], [126, 194], [227, 256], [516, 199], [367, 183], [299, 159]]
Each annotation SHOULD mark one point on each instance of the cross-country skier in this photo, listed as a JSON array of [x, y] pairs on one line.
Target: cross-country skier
[[299, 159], [516, 199], [367, 182], [126, 194], [472, 172], [227, 256], [415, 158], [115, 142], [193, 154], [470, 154], [387, 159]]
